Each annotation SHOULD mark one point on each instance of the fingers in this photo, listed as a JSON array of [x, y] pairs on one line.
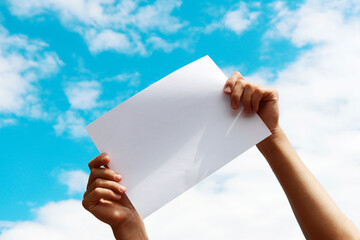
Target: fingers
[[255, 100], [98, 194], [104, 173], [101, 160], [247, 93], [236, 94], [231, 82], [103, 183]]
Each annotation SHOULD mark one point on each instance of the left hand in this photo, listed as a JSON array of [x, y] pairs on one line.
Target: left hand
[[105, 198]]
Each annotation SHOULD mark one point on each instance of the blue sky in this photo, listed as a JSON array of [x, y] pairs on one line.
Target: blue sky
[[65, 63]]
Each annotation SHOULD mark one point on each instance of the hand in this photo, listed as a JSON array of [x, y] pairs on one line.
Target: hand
[[105, 198], [255, 98]]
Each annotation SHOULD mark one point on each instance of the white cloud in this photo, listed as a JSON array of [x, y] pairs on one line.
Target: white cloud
[[85, 104], [62, 220], [327, 74], [159, 43], [240, 19], [75, 180], [7, 122], [154, 16], [6, 225], [315, 24], [107, 25], [83, 95], [107, 39], [71, 123], [133, 79], [22, 63], [237, 20]]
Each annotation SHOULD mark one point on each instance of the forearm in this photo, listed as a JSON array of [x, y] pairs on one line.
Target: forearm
[[132, 229], [315, 211]]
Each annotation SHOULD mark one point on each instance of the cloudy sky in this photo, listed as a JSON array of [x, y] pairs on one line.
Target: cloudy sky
[[63, 63]]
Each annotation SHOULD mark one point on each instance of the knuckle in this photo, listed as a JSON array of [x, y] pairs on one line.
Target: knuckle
[[238, 74], [97, 191], [257, 91], [249, 87], [239, 81], [108, 172], [97, 182], [105, 158], [84, 204]]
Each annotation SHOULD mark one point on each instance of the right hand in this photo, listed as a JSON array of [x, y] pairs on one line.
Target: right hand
[[255, 98]]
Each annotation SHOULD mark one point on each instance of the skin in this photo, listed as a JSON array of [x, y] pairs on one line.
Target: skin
[[317, 214], [105, 198]]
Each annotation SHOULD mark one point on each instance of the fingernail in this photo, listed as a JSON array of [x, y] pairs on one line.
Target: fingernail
[[234, 105], [122, 188], [117, 177], [227, 89], [117, 195]]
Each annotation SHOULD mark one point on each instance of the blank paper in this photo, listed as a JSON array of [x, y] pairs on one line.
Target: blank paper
[[175, 133]]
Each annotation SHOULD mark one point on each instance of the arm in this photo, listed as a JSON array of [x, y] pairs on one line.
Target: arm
[[317, 214], [105, 198]]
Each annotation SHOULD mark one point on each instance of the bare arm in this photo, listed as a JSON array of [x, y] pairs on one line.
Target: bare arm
[[317, 214]]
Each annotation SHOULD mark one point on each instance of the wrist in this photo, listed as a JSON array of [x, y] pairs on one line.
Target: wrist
[[277, 134], [275, 129], [131, 229]]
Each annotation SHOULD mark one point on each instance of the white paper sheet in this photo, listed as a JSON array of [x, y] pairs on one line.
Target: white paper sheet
[[173, 134]]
